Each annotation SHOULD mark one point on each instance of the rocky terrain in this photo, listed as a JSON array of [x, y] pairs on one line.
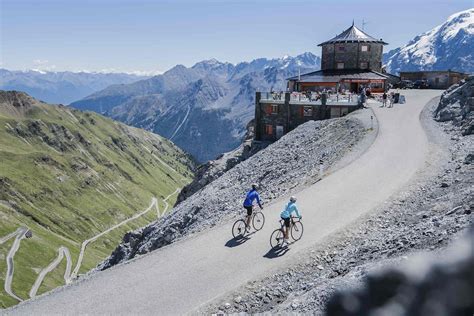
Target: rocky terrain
[[298, 154], [66, 176], [62, 86], [205, 108], [446, 46], [457, 106], [426, 216], [211, 170], [414, 288]]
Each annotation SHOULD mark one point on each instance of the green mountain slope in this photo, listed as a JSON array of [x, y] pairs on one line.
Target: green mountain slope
[[68, 176]]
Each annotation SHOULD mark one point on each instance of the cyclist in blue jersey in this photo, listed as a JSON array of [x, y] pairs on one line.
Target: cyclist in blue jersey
[[286, 216], [251, 196]]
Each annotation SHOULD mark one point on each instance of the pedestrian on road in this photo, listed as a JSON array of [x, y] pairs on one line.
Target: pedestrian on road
[[392, 99], [384, 99], [362, 98]]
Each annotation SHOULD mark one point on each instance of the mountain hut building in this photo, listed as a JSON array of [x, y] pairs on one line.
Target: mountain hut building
[[350, 62]]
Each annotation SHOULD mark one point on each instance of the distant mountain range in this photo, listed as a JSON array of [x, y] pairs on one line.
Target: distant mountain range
[[61, 87], [447, 46], [203, 109]]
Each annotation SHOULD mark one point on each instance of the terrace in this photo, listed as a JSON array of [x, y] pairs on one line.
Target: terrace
[[311, 98]]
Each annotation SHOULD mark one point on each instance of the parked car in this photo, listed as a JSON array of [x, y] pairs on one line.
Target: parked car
[[421, 84], [404, 84]]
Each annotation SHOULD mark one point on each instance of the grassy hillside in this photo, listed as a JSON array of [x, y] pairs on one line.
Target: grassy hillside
[[68, 176]]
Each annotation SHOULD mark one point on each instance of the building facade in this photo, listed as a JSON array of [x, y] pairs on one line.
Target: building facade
[[435, 79], [276, 115], [352, 49], [351, 63]]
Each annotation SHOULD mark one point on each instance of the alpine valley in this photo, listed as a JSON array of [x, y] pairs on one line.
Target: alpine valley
[[74, 182], [203, 109]]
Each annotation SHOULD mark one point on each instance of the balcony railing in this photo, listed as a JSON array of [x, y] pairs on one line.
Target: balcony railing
[[309, 97], [273, 96]]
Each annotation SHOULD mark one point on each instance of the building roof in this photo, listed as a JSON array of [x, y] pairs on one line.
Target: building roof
[[433, 71], [338, 75], [353, 35]]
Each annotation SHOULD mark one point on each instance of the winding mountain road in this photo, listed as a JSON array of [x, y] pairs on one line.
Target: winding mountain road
[[62, 252], [179, 278], [19, 234]]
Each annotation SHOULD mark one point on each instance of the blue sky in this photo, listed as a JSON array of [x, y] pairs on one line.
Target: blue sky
[[126, 35]]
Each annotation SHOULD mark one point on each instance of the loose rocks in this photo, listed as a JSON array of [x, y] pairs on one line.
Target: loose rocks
[[278, 169]]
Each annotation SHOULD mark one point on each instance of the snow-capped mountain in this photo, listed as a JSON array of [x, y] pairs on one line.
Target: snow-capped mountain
[[61, 87], [203, 109], [447, 46]]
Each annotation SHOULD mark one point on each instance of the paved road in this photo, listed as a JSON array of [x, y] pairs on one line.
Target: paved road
[[20, 233], [179, 278], [62, 252]]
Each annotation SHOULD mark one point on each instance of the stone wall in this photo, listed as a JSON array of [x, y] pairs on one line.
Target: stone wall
[[352, 56], [289, 115]]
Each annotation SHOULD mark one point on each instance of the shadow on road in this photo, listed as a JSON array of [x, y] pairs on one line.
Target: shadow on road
[[276, 252], [237, 241]]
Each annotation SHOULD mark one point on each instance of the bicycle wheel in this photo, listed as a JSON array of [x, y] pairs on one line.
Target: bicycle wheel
[[238, 229], [297, 230], [276, 239], [258, 220]]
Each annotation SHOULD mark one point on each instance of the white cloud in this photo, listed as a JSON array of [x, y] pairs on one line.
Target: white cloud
[[43, 65], [38, 62]]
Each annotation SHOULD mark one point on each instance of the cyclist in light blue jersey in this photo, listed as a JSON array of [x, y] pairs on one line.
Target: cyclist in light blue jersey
[[286, 216]]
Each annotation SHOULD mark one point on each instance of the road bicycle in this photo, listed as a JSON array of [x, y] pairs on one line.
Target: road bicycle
[[296, 232], [257, 221]]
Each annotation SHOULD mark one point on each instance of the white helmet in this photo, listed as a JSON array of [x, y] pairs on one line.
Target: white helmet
[[293, 199]]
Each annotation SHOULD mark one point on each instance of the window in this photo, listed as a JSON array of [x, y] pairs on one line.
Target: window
[[271, 109], [340, 48], [274, 109], [365, 48], [364, 65], [339, 65], [269, 129], [308, 111]]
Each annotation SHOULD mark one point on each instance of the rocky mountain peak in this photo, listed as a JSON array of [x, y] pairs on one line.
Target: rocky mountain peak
[[15, 103], [446, 46]]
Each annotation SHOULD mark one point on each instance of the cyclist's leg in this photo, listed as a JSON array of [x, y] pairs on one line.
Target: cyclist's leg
[[249, 215], [287, 227]]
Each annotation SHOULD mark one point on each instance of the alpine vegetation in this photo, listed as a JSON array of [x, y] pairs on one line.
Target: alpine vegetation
[[74, 182]]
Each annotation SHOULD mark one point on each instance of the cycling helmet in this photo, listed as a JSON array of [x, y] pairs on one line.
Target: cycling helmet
[[254, 186], [293, 199]]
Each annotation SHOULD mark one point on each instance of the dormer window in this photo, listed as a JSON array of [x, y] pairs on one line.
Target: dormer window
[[339, 65]]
